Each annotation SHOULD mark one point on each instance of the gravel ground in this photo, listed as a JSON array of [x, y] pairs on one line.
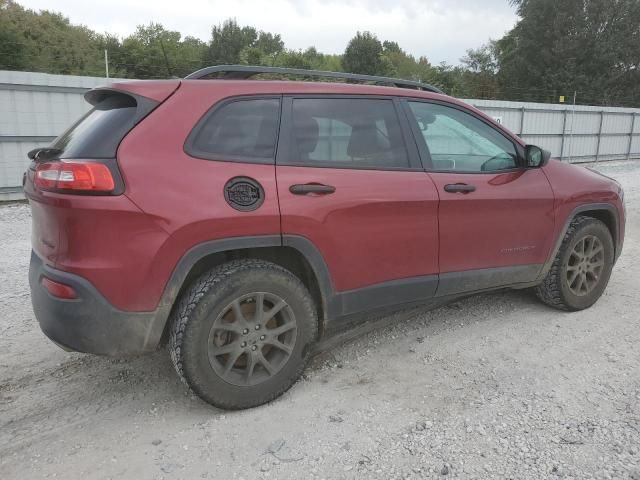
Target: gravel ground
[[494, 386]]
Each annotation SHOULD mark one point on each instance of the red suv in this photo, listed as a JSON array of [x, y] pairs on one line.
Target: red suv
[[237, 219]]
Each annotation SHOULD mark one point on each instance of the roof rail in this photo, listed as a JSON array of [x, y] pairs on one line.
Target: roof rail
[[240, 72]]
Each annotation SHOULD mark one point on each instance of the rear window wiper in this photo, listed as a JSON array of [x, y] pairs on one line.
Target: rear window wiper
[[42, 154]]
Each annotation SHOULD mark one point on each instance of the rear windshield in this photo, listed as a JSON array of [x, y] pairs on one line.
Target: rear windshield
[[99, 132]]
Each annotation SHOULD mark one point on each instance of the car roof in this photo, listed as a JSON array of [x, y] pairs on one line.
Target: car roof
[[229, 88], [239, 87], [290, 86]]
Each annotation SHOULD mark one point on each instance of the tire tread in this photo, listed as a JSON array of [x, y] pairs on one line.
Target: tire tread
[[549, 291], [196, 293]]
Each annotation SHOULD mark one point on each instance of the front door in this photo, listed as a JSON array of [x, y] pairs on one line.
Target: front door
[[495, 216], [350, 183]]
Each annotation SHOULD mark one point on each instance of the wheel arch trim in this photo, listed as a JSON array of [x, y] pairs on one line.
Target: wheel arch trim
[[198, 252], [586, 207]]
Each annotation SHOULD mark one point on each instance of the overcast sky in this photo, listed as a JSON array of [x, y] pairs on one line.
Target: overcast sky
[[442, 30]]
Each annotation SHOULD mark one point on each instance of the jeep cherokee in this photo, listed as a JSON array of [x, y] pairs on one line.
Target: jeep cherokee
[[237, 219]]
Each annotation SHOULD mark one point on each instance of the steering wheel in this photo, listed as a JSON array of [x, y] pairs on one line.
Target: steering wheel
[[497, 162]]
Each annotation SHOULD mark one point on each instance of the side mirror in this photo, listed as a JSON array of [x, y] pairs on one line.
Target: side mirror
[[536, 157]]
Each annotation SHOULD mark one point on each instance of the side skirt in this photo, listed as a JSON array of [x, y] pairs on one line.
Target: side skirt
[[453, 283], [427, 291], [387, 294]]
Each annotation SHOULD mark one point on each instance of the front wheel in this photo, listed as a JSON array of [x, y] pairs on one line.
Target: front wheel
[[242, 334], [582, 267]]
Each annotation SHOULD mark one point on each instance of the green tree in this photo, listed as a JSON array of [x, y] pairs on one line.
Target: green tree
[[12, 48], [227, 43], [481, 60], [403, 65], [424, 70], [389, 46], [268, 43], [321, 61], [447, 78], [154, 52], [479, 78], [292, 59], [364, 54], [330, 62], [592, 46], [46, 41]]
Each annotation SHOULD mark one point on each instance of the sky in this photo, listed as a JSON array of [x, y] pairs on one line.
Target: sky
[[441, 30]]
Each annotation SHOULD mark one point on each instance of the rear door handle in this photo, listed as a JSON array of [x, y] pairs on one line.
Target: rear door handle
[[305, 189], [459, 188]]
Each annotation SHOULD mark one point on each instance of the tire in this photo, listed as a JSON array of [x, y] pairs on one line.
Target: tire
[[561, 288], [219, 317]]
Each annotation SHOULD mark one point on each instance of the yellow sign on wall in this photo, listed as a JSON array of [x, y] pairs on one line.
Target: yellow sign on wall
[[561, 98]]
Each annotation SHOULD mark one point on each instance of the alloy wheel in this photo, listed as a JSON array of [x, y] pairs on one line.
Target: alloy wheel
[[252, 338], [584, 266]]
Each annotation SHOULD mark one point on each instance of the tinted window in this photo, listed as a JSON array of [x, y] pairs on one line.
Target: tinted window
[[99, 132], [458, 141], [243, 129], [352, 133]]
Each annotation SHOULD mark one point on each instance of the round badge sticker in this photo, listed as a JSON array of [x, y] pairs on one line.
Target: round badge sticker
[[243, 193]]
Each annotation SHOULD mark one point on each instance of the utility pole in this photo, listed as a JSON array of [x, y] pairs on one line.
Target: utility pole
[[106, 63], [573, 124]]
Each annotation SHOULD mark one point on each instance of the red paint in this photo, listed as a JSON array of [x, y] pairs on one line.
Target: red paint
[[506, 221], [377, 226], [105, 239], [575, 185], [157, 90]]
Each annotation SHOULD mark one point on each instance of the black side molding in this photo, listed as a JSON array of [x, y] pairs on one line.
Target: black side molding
[[338, 305], [455, 283]]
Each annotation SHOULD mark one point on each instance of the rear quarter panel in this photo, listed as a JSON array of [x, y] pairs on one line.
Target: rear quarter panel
[[185, 195], [105, 239]]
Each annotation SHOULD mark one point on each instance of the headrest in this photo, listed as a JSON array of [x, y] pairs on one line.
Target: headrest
[[307, 133], [363, 142]]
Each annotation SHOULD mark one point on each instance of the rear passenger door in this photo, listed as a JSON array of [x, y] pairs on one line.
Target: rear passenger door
[[350, 182]]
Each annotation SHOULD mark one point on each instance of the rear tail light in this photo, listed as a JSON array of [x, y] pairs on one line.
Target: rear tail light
[[58, 289], [74, 176]]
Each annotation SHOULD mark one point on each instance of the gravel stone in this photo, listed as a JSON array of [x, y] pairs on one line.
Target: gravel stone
[[498, 386]]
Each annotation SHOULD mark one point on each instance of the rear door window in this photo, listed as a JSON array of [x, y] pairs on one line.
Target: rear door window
[[347, 133], [243, 130]]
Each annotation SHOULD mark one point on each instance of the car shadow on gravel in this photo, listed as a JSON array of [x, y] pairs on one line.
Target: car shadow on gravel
[[96, 385], [433, 316]]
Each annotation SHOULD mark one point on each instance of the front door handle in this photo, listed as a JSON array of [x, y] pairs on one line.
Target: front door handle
[[459, 188], [305, 189]]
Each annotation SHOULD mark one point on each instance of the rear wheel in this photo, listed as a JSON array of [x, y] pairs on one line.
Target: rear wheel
[[582, 267], [242, 333]]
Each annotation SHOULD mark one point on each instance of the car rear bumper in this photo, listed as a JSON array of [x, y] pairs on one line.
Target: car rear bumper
[[88, 323]]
